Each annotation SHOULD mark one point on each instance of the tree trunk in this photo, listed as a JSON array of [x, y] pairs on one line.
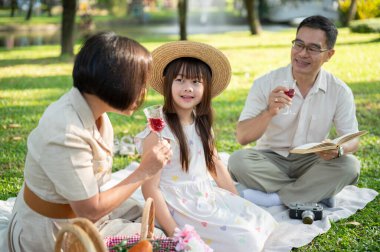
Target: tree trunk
[[182, 11], [68, 25], [13, 7], [351, 12], [253, 17], [48, 7], [30, 10]]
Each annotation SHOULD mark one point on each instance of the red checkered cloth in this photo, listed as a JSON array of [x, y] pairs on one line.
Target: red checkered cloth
[[161, 244]]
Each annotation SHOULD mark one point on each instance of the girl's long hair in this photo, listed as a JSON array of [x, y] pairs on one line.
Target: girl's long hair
[[193, 69]]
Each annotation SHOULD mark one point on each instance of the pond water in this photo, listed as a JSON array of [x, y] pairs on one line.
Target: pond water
[[9, 40], [12, 39]]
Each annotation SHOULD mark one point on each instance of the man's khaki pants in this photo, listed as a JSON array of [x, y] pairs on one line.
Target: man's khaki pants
[[296, 178]]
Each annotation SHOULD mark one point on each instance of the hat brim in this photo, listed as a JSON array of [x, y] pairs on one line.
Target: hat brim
[[215, 59]]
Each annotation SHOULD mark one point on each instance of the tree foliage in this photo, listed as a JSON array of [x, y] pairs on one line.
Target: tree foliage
[[350, 10]]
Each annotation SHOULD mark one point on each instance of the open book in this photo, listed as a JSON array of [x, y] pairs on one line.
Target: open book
[[334, 144]]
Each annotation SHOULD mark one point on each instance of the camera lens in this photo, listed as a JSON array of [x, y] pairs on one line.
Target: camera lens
[[307, 217]]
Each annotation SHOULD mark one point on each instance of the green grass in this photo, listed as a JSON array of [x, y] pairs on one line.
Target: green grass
[[33, 77]]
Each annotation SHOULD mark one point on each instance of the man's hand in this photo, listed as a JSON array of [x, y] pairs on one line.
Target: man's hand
[[277, 100], [328, 154]]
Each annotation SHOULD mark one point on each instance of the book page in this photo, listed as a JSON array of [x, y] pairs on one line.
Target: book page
[[347, 137], [314, 146]]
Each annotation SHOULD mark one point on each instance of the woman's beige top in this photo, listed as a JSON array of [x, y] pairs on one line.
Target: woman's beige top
[[68, 159]]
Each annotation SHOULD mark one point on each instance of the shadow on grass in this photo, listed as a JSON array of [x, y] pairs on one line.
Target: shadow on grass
[[277, 46], [370, 87], [363, 42], [63, 82], [153, 39], [39, 61], [367, 106]]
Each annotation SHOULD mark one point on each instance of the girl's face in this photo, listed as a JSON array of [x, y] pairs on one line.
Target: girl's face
[[187, 93]]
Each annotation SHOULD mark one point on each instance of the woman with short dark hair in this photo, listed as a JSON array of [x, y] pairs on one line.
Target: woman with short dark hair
[[70, 151]]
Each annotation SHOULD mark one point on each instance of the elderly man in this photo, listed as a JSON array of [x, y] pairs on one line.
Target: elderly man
[[268, 173]]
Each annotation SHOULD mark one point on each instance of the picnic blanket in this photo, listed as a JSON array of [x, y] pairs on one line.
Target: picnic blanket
[[290, 233]]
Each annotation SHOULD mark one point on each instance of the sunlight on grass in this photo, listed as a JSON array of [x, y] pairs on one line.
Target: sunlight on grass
[[30, 70], [356, 62], [27, 97], [31, 52]]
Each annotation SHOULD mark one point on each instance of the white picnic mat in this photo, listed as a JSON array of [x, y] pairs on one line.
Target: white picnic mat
[[5, 214], [293, 233], [290, 233]]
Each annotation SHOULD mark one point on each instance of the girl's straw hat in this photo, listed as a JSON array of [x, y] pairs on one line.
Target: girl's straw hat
[[215, 59]]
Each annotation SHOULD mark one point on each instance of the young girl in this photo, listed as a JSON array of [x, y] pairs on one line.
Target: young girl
[[189, 74]]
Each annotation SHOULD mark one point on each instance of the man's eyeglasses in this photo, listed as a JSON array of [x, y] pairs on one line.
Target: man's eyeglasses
[[312, 49]]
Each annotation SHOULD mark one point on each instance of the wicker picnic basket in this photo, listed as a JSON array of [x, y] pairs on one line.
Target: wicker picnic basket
[[81, 235]]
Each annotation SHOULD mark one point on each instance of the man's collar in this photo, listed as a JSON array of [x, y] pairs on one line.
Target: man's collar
[[320, 82]]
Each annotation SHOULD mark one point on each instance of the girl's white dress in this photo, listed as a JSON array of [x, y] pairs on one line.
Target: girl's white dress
[[225, 221]]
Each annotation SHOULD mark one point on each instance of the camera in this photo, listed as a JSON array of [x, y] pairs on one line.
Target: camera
[[308, 212]]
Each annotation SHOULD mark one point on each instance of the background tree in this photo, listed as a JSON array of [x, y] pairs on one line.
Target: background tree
[[48, 4], [351, 12], [14, 7], [30, 10], [253, 16], [182, 13], [68, 26], [135, 9]]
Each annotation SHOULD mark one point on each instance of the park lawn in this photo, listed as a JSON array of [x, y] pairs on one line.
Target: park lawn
[[33, 77]]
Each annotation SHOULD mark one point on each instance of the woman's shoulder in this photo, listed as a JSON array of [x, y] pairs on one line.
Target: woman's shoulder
[[61, 120]]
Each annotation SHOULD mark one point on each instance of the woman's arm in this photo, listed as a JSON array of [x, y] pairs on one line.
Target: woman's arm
[[103, 203], [222, 177]]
